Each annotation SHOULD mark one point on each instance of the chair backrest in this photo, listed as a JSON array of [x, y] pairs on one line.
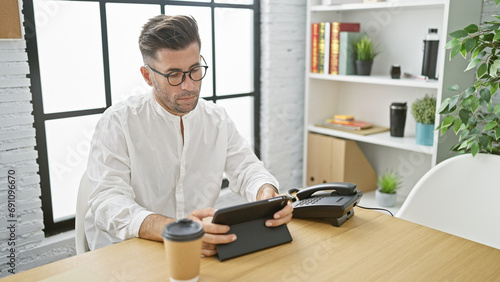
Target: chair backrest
[[459, 196], [82, 207]]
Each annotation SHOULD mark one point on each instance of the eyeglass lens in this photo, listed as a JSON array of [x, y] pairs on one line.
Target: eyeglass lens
[[196, 74]]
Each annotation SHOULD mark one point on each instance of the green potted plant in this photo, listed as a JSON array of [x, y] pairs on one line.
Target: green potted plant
[[424, 112], [364, 55], [387, 185], [471, 113]]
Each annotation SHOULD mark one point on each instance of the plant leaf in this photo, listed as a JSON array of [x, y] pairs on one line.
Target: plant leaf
[[488, 37], [444, 105], [474, 105], [494, 88], [448, 121], [462, 145], [479, 53], [463, 51], [496, 64], [464, 115], [497, 2], [471, 28], [453, 101], [497, 133], [453, 87], [474, 148], [484, 141], [469, 91], [497, 35], [452, 43], [490, 125], [473, 63], [493, 70], [496, 110], [464, 134], [469, 44], [485, 94], [467, 101], [455, 50], [457, 124], [459, 33], [482, 70], [444, 130]]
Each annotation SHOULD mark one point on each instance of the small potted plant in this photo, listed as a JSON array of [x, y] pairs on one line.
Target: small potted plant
[[364, 55], [387, 185], [424, 112]]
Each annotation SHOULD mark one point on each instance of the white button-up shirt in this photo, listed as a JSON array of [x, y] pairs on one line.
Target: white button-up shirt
[[139, 165]]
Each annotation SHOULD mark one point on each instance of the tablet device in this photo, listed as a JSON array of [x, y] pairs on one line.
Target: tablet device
[[247, 221]]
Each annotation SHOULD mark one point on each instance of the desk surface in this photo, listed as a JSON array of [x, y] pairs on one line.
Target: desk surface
[[369, 246]]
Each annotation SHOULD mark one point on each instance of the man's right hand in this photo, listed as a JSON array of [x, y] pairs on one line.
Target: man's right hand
[[214, 233]]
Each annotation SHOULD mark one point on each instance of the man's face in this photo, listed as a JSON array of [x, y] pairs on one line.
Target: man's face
[[177, 100]]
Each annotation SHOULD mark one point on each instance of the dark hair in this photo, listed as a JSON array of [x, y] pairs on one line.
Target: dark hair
[[172, 32]]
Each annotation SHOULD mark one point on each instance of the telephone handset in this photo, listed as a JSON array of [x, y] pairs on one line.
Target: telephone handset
[[333, 202]]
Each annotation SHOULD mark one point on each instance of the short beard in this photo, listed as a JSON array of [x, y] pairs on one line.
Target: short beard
[[173, 107]]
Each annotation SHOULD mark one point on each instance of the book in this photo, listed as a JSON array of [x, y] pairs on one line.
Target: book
[[347, 52], [326, 66], [351, 125], [314, 47], [343, 118], [321, 47], [336, 28]]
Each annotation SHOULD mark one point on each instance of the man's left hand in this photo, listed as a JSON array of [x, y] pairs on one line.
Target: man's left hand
[[283, 216]]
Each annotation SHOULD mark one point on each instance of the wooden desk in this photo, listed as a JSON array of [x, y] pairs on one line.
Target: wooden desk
[[369, 246]]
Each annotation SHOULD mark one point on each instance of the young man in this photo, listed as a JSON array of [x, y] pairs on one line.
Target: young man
[[161, 157]]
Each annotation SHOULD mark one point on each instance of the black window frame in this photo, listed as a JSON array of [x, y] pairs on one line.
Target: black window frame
[[52, 227]]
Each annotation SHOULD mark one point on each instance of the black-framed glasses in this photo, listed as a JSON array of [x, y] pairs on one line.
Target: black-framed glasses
[[176, 78]]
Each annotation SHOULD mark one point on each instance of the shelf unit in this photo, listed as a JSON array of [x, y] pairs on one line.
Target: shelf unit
[[397, 29]]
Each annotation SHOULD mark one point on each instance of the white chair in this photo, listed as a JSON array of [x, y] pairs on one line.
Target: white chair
[[459, 196], [82, 207]]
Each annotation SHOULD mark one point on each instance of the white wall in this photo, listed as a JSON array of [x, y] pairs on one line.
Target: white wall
[[282, 78]]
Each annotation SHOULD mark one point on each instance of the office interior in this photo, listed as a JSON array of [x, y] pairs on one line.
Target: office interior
[[44, 138]]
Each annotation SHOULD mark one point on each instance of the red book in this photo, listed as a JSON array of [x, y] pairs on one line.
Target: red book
[[314, 47], [336, 28]]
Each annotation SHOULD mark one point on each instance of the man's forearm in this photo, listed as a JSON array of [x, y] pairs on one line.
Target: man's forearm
[[152, 226]]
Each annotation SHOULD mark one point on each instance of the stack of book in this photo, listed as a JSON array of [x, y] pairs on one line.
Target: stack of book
[[332, 47], [346, 122]]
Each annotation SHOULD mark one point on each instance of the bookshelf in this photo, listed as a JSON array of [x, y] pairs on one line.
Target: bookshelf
[[397, 29]]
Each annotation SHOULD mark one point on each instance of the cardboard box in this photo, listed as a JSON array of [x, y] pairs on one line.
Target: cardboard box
[[331, 159]]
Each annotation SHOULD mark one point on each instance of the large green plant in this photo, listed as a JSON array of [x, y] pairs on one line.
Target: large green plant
[[471, 113]]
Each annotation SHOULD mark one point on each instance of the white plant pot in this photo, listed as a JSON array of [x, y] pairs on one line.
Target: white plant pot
[[386, 200]]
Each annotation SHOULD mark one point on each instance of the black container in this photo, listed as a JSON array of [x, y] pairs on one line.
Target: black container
[[398, 119], [431, 47], [395, 71]]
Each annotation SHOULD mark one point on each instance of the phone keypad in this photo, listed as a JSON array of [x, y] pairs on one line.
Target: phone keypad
[[308, 201]]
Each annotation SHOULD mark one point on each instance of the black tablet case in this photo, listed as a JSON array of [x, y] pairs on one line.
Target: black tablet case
[[252, 234]]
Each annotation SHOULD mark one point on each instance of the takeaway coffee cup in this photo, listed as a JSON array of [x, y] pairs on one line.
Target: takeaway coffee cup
[[182, 241]]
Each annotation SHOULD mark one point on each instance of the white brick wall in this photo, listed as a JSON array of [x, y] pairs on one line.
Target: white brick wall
[[22, 242], [21, 218], [282, 77]]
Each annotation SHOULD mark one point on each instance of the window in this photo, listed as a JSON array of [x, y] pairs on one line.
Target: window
[[84, 57]]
